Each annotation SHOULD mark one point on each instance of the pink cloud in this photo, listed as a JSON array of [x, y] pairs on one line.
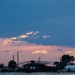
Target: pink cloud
[[53, 52]]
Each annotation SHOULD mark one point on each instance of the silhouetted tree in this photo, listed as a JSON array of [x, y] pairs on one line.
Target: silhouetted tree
[[64, 60], [12, 65], [72, 58], [67, 58], [1, 66]]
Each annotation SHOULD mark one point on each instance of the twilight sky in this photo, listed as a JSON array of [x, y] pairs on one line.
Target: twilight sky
[[43, 28]]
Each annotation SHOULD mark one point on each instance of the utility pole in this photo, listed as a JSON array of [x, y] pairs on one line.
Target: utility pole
[[13, 57], [18, 59], [39, 59]]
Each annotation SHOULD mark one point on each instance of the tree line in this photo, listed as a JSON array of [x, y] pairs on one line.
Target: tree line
[[65, 58], [12, 65]]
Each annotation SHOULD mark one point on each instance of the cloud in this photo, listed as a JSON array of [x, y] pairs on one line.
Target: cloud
[[7, 43], [40, 51], [36, 32], [29, 33], [31, 51], [23, 36], [15, 43], [18, 38], [46, 36], [14, 38], [68, 52]]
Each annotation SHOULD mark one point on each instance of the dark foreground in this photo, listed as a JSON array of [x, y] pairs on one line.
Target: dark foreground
[[48, 73]]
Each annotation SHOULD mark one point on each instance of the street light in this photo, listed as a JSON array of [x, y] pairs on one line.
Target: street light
[[18, 57]]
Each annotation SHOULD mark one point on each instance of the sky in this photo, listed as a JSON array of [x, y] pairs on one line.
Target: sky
[[44, 28]]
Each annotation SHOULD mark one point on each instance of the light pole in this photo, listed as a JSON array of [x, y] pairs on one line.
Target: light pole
[[39, 59], [18, 57], [13, 57]]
